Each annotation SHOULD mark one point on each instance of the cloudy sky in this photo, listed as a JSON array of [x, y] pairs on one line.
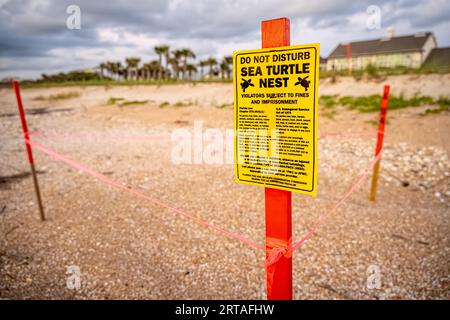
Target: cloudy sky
[[34, 38]]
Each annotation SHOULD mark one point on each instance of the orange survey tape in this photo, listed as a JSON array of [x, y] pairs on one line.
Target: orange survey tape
[[278, 248]]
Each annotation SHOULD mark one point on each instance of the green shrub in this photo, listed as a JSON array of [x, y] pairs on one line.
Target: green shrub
[[131, 102], [372, 70], [224, 105], [439, 109], [122, 102], [164, 104], [443, 101], [372, 103], [363, 104], [114, 100], [59, 96], [181, 104], [416, 101], [328, 101]]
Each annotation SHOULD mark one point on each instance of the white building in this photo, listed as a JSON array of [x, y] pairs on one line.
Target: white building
[[407, 51]]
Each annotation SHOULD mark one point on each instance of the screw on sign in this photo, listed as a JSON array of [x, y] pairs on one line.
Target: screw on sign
[[276, 136]]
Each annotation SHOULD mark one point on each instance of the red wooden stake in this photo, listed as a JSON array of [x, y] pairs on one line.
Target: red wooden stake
[[276, 33], [26, 136], [380, 138]]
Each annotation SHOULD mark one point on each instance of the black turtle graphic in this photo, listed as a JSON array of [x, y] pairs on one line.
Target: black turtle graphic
[[303, 82], [246, 83]]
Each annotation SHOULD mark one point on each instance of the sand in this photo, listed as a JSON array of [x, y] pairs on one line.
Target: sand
[[133, 249]]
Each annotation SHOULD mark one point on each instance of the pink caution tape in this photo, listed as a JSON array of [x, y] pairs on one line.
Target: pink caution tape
[[138, 194], [277, 249], [164, 136], [349, 192], [95, 136]]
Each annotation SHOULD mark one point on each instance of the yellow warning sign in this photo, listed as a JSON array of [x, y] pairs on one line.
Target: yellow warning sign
[[275, 110]]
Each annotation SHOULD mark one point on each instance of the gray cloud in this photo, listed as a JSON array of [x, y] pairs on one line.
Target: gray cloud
[[32, 30]]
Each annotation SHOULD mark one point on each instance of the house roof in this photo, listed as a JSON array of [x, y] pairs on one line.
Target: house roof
[[407, 43], [438, 57]]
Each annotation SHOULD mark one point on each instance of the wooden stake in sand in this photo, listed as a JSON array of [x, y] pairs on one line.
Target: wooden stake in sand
[[276, 33], [26, 136], [380, 138]]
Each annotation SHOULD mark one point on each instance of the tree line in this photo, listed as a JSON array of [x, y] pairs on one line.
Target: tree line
[[179, 64]]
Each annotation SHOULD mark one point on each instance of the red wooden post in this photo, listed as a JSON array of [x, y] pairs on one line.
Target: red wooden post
[[26, 137], [380, 138], [276, 33]]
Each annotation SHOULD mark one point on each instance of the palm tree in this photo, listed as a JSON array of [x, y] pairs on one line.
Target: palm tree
[[120, 70], [211, 62], [175, 66], [160, 51], [175, 61], [155, 69], [108, 68], [202, 64], [166, 53], [186, 54], [229, 61], [132, 65], [146, 71], [223, 69], [102, 66], [191, 68], [114, 69]]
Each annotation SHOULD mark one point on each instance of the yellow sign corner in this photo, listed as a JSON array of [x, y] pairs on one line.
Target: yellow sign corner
[[275, 117]]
